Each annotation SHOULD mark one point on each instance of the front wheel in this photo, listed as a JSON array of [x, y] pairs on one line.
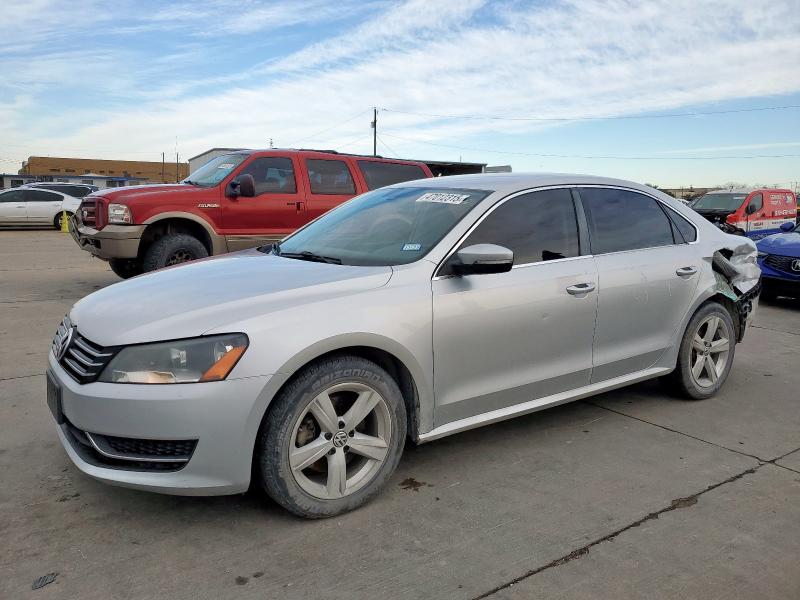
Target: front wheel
[[706, 353], [172, 250], [125, 267], [332, 438]]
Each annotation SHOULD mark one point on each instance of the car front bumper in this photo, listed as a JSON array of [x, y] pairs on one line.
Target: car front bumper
[[222, 416], [112, 241]]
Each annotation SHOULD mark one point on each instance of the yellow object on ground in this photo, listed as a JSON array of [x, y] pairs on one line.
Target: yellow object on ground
[[64, 222]]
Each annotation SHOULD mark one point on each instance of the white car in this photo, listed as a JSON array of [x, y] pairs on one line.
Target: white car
[[30, 206]]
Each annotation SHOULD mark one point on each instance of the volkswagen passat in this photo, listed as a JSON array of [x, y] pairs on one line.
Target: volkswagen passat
[[418, 310]]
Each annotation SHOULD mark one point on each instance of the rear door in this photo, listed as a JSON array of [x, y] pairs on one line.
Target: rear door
[[330, 182], [277, 209], [647, 277], [42, 205], [12, 207]]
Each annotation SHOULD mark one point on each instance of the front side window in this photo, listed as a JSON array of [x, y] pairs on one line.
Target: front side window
[[272, 174], [622, 220], [380, 174], [330, 177], [390, 226], [41, 196], [215, 170], [12, 196], [756, 203], [538, 226], [686, 231]]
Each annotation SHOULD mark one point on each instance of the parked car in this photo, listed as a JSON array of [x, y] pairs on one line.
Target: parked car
[[418, 310], [779, 259], [235, 201], [76, 190], [30, 206], [754, 213]]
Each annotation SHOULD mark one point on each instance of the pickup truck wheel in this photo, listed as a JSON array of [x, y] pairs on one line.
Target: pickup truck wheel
[[332, 438], [125, 267], [172, 250]]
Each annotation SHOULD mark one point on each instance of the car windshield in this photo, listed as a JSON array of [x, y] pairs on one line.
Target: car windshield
[[719, 201], [390, 226], [215, 170]]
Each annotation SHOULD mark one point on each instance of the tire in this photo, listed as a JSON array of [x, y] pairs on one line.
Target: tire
[[125, 267], [171, 250], [699, 386], [57, 220], [313, 491]]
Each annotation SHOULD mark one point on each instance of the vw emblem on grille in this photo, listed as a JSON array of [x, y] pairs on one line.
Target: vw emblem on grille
[[62, 340], [796, 265], [340, 439]]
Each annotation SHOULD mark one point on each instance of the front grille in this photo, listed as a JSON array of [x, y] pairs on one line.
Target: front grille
[[130, 454], [88, 211], [82, 359], [782, 263]]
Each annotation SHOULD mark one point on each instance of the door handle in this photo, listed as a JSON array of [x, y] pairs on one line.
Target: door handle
[[685, 271], [580, 288]]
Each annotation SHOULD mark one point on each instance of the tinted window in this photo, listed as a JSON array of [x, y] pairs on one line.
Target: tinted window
[[756, 202], [273, 175], [330, 177], [380, 174], [41, 196], [537, 226], [12, 196], [686, 231], [623, 220]]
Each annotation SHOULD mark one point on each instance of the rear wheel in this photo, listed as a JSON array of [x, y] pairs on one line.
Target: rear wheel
[[332, 438], [706, 353], [60, 219], [126, 267], [173, 249]]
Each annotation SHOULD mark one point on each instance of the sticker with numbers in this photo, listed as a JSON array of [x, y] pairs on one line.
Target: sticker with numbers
[[443, 198]]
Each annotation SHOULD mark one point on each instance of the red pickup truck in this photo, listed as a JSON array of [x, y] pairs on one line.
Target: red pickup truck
[[239, 200]]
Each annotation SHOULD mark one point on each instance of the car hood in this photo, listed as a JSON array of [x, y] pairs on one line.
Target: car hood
[[149, 192], [189, 300], [785, 244]]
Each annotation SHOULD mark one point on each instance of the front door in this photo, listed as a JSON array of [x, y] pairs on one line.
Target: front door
[[42, 206], [508, 338], [757, 220], [12, 208], [277, 209], [648, 276]]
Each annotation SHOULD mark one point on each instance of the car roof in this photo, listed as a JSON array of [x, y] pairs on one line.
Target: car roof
[[510, 182], [312, 151]]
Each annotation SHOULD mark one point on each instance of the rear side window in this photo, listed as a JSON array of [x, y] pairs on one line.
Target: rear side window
[[624, 220], [537, 226], [273, 175], [330, 177], [380, 174]]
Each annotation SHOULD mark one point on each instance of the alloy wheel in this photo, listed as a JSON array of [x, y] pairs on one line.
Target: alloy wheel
[[340, 440], [181, 256], [711, 346]]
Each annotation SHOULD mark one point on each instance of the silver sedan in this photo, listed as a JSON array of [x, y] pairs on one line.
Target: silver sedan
[[414, 311]]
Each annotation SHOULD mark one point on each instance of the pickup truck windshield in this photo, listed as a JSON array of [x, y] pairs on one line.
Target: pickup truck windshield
[[215, 170], [390, 226], [719, 202]]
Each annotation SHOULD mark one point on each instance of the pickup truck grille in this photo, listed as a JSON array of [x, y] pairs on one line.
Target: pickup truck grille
[[781, 263], [88, 211], [82, 359]]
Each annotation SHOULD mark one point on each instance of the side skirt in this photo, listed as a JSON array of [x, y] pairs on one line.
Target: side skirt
[[510, 412]]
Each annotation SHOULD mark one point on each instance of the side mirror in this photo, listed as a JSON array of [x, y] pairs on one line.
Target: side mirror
[[244, 185], [482, 259], [787, 226], [751, 208]]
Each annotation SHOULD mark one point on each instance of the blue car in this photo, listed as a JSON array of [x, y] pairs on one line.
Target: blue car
[[779, 259]]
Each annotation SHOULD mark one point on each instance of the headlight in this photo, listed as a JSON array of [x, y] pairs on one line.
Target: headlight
[[120, 214], [182, 361]]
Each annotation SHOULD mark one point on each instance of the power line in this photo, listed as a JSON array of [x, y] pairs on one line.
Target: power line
[[353, 118], [609, 118], [543, 155], [388, 147]]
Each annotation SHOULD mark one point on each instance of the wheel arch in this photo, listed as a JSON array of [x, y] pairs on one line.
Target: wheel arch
[[181, 222]]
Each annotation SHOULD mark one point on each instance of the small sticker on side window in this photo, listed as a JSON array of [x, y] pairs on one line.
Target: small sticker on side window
[[412, 247], [443, 198]]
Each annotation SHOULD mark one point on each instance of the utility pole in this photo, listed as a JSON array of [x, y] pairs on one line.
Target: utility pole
[[163, 175], [374, 131], [177, 173]]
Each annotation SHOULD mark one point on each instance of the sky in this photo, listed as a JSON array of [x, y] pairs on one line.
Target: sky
[[579, 86]]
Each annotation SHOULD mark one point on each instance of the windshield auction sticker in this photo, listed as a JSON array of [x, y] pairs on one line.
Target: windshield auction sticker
[[443, 198]]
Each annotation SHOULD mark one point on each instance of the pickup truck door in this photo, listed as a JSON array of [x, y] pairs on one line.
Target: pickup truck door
[[12, 208], [277, 209], [42, 205], [330, 182]]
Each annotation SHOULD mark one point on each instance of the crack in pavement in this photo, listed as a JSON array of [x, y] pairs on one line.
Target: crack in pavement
[[21, 376], [583, 550]]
